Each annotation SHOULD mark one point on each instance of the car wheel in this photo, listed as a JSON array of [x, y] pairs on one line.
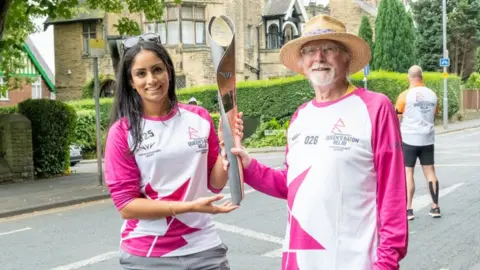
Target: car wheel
[[73, 164]]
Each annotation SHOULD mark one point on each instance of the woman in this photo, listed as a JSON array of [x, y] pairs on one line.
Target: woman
[[161, 160]]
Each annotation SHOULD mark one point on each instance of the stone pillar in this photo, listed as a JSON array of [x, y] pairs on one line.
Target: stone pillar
[[16, 149]]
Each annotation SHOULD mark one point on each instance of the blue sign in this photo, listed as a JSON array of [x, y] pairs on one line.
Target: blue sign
[[444, 62], [366, 70]]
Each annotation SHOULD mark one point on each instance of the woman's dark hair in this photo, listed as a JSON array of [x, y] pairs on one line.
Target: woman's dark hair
[[127, 102]]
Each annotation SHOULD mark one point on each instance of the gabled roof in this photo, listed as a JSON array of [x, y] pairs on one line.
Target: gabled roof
[[40, 64], [367, 7], [284, 8], [87, 16], [277, 7]]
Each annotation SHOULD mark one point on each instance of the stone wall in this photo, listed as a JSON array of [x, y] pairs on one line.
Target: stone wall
[[351, 14], [16, 150]]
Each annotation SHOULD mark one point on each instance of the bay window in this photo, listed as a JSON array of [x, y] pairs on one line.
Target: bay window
[[184, 24]]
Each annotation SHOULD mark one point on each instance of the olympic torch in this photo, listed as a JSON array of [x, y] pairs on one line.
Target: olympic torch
[[221, 31]]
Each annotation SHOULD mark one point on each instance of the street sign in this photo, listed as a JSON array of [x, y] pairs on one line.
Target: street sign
[[97, 47], [366, 70], [444, 62], [444, 75]]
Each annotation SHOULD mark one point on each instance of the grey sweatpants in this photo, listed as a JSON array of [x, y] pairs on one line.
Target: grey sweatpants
[[210, 259]]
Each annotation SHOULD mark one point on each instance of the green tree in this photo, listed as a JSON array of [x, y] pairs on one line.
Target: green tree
[[18, 23], [365, 31], [427, 15], [394, 37], [463, 27]]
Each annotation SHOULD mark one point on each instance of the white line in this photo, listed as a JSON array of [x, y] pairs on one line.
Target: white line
[[457, 165], [425, 200], [457, 153], [248, 233], [93, 260], [16, 231], [277, 253]]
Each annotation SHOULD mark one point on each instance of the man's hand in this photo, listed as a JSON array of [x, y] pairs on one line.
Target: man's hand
[[240, 152]]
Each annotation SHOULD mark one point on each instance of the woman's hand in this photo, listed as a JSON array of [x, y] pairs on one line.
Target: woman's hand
[[205, 205]]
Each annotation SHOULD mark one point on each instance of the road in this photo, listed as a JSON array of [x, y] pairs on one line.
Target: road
[[87, 236]]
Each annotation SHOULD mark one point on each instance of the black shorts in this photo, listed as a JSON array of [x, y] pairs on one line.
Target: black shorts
[[424, 153]]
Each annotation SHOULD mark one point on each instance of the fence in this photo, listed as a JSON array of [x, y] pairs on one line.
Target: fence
[[471, 99]]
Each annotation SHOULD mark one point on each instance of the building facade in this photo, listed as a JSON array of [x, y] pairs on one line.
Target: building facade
[[40, 77], [262, 27]]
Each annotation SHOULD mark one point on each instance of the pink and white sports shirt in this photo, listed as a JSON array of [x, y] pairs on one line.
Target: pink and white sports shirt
[[344, 184], [173, 163]]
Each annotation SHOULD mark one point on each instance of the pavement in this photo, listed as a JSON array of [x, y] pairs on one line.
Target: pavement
[[83, 186], [86, 236]]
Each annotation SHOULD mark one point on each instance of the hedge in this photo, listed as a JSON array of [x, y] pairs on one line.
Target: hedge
[[280, 98], [52, 124], [85, 131]]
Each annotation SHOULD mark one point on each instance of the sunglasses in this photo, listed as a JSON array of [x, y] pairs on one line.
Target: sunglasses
[[132, 41]]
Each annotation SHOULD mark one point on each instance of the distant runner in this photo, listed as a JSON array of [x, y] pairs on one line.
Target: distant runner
[[417, 108]]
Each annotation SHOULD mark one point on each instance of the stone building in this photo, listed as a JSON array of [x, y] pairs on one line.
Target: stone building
[[262, 27]]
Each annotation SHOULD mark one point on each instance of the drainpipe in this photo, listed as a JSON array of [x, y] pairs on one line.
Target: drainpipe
[[258, 50]]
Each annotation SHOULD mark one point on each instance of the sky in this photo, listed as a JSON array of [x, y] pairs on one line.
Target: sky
[[44, 40]]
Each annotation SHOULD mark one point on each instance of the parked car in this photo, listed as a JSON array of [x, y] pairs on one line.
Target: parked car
[[75, 154]]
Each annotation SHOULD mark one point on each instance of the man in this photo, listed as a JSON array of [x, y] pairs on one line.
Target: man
[[344, 180], [417, 108]]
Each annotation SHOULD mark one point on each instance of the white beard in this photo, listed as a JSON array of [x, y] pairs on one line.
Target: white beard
[[322, 78]]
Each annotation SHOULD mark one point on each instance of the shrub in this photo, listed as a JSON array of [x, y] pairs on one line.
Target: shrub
[[276, 134], [8, 110], [85, 130], [106, 85], [473, 81], [52, 123], [280, 98], [392, 84]]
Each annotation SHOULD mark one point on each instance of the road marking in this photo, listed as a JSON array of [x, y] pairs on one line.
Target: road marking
[[277, 253], [452, 165], [458, 153], [87, 262], [248, 233], [16, 231], [426, 200]]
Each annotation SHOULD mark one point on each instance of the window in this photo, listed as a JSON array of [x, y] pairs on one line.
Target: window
[[273, 37], [4, 96], [89, 31], [180, 81], [187, 27], [37, 89], [288, 35]]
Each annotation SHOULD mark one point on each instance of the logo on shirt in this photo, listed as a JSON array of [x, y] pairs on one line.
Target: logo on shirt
[[146, 148], [423, 105], [147, 135], [201, 143], [339, 139]]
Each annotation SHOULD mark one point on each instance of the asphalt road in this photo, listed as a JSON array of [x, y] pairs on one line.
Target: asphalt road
[[87, 236]]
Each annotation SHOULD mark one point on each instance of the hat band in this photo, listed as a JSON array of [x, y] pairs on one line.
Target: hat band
[[319, 31]]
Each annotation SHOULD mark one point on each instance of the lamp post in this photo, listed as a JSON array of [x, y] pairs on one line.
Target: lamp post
[[445, 55]]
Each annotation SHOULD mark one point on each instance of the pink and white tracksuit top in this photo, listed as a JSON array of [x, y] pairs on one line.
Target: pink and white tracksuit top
[[173, 163], [344, 184]]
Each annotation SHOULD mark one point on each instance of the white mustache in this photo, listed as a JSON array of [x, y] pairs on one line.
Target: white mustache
[[318, 65]]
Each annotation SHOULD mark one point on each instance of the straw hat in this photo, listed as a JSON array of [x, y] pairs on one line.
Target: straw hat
[[328, 28]]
